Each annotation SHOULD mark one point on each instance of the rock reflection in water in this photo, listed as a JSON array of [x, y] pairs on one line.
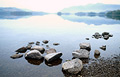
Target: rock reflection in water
[[96, 56], [54, 63], [66, 74], [34, 61]]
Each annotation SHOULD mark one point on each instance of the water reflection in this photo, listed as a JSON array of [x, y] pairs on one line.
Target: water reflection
[[54, 63], [90, 19], [35, 62]]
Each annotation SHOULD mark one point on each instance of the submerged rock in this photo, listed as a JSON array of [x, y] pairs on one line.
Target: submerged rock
[[37, 43], [45, 41], [16, 56], [33, 54], [29, 46], [103, 47], [97, 52], [39, 48], [51, 50], [105, 33], [74, 66], [54, 63], [21, 50], [31, 42], [86, 46], [35, 61], [82, 53], [56, 44], [97, 35], [87, 38], [53, 56]]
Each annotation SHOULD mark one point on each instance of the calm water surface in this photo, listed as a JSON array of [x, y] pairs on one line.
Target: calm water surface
[[17, 33]]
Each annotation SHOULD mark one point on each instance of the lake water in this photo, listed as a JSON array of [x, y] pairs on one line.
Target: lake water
[[69, 31]]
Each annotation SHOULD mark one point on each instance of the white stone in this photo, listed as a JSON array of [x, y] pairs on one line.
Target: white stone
[[74, 66]]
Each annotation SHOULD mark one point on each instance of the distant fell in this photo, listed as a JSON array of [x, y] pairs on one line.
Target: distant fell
[[99, 7]]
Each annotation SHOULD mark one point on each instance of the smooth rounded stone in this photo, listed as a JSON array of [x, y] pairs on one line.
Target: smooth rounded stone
[[97, 52], [51, 50], [33, 54], [16, 56], [37, 43], [86, 46], [21, 50], [29, 46], [53, 56], [103, 47], [56, 44], [39, 48], [82, 53], [74, 66], [31, 42], [45, 41]]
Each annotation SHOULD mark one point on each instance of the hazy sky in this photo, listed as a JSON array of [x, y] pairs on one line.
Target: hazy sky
[[51, 5]]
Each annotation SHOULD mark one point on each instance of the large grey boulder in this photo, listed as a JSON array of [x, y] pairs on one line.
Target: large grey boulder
[[15, 56], [33, 54], [86, 46], [53, 56], [73, 66], [51, 50], [39, 48], [82, 53]]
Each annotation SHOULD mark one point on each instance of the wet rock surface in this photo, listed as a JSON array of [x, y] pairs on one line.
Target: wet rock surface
[[56, 44], [97, 52], [54, 63], [51, 50], [53, 56], [97, 35], [103, 47], [86, 46], [33, 54], [35, 61], [73, 66], [39, 48], [15, 56], [109, 67], [45, 41], [21, 50], [82, 53]]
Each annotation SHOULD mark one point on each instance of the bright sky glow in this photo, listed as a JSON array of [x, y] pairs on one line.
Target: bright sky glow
[[51, 5]]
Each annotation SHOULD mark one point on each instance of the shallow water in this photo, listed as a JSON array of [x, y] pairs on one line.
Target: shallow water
[[17, 33]]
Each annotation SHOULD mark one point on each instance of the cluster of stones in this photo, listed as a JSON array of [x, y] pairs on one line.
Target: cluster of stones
[[75, 66], [36, 52], [104, 35]]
